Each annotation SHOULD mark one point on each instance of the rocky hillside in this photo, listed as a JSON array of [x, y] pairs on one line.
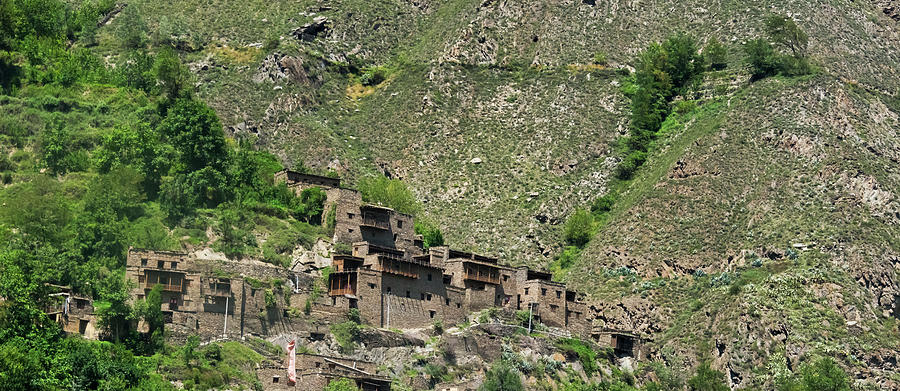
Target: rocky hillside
[[768, 215]]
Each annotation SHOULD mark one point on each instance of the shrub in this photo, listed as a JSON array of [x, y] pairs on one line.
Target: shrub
[[342, 384], [715, 55], [431, 234], [346, 334], [501, 377], [761, 57], [391, 193], [630, 164], [579, 228], [600, 58], [586, 355], [438, 327], [603, 204], [353, 316], [707, 379]]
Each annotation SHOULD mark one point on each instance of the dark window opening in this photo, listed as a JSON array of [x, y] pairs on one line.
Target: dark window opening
[[275, 379], [543, 291], [429, 276], [431, 314], [558, 294], [399, 223], [428, 297], [159, 264], [174, 265], [407, 294], [143, 261], [446, 301], [526, 291], [389, 290], [458, 305], [372, 286]]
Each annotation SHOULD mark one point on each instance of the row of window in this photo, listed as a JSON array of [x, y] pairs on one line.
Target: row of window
[[160, 264], [422, 296], [544, 293]]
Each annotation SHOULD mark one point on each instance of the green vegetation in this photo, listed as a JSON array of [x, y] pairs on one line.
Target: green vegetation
[[585, 353], [342, 384], [783, 33], [822, 375], [707, 379], [431, 234], [501, 377], [392, 193]]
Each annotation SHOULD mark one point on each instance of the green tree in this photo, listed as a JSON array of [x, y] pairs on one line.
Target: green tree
[[707, 379], [341, 384], [173, 78], [392, 193], [579, 228], [785, 33], [194, 130], [684, 64], [312, 205], [824, 375], [113, 310], [762, 58], [150, 310], [431, 234], [130, 28], [716, 55], [56, 148], [139, 146], [501, 377]]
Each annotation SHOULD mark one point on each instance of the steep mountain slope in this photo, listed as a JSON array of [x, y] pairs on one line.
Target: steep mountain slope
[[769, 212], [493, 80]]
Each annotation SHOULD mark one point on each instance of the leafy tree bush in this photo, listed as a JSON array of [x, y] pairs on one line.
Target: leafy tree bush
[[431, 234], [194, 130], [715, 55], [130, 28], [501, 377], [707, 379], [762, 58], [346, 334], [822, 375], [603, 204], [391, 193], [785, 34], [579, 228], [586, 355], [342, 384]]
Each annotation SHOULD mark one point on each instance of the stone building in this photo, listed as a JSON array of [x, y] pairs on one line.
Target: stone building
[[623, 343], [314, 372], [392, 288], [213, 296], [354, 220], [74, 313]]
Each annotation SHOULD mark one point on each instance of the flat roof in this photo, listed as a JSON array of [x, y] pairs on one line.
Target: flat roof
[[294, 174], [468, 255]]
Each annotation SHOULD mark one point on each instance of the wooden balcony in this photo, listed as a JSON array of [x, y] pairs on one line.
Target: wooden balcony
[[482, 278], [372, 221], [166, 287]]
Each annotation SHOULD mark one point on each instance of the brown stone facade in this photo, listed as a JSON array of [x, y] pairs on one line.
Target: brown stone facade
[[354, 220], [314, 372], [217, 297], [392, 288], [74, 313]]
